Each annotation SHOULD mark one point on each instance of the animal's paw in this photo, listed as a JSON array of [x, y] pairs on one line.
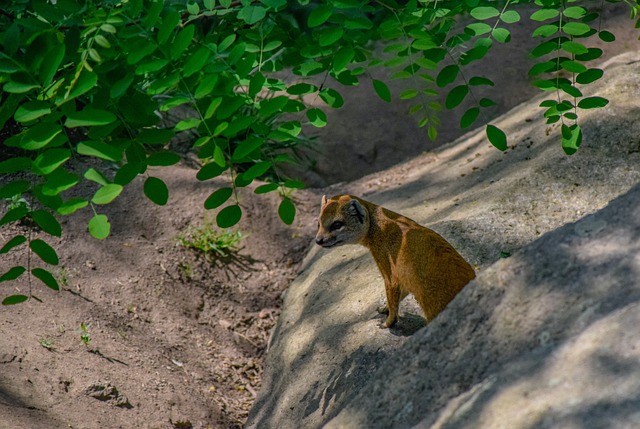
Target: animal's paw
[[390, 322]]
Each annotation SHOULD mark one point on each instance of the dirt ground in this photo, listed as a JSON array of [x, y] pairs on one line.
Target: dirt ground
[[173, 339]]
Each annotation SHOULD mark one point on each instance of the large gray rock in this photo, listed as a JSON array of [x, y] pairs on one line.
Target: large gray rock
[[532, 331]]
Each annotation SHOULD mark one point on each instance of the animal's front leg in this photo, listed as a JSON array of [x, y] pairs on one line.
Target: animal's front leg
[[394, 295], [384, 309]]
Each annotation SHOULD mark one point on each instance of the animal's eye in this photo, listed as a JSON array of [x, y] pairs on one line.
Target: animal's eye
[[336, 225]]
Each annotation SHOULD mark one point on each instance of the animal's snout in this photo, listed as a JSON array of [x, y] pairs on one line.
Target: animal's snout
[[320, 241]]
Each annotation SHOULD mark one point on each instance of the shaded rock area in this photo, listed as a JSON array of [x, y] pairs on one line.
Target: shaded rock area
[[543, 330], [384, 134]]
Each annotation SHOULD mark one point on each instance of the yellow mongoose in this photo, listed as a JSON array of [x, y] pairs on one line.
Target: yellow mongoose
[[412, 259]]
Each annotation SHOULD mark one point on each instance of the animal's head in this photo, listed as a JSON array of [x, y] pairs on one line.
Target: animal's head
[[343, 220]]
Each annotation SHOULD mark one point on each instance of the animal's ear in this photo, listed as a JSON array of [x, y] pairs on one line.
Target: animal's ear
[[324, 200], [356, 209]]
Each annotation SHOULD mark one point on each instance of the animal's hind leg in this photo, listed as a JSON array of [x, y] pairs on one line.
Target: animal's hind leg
[[394, 296]]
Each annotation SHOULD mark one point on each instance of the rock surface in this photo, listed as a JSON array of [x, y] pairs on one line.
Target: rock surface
[[544, 338]]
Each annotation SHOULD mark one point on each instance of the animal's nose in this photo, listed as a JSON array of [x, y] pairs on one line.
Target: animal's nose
[[319, 241]]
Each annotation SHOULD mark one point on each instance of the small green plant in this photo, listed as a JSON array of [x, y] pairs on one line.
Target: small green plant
[[210, 240], [185, 270], [47, 342], [84, 333], [63, 276]]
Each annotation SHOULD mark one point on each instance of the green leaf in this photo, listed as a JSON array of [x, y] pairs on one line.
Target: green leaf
[[156, 190], [576, 28], [589, 76], [382, 90], [246, 147], [12, 274], [89, 117], [169, 23], [49, 160], [72, 205], [209, 171], [256, 170], [543, 49], [155, 136], [484, 12], [545, 30], [479, 28], [455, 96], [99, 227], [218, 198], [119, 88], [544, 14], [102, 41], [32, 110], [574, 12], [14, 214], [302, 88], [317, 117], [423, 44], [332, 97], [571, 138], [59, 180], [510, 16], [447, 75], [573, 67], [574, 47], [17, 187], [196, 61], [497, 137], [342, 58], [106, 194], [592, 102], [606, 36], [478, 52], [99, 150], [571, 90], [469, 117], [486, 102], [269, 187], [46, 277], [256, 84], [273, 105], [14, 165], [193, 8], [319, 15], [14, 87], [39, 136], [51, 62], [187, 124], [287, 211], [163, 158], [14, 242], [502, 35], [85, 81], [182, 41], [95, 176], [14, 299], [252, 14], [432, 133], [47, 222], [594, 53], [329, 35], [479, 80], [229, 216], [44, 251]]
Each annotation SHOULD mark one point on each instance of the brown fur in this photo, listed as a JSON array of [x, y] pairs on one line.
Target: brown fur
[[411, 258]]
